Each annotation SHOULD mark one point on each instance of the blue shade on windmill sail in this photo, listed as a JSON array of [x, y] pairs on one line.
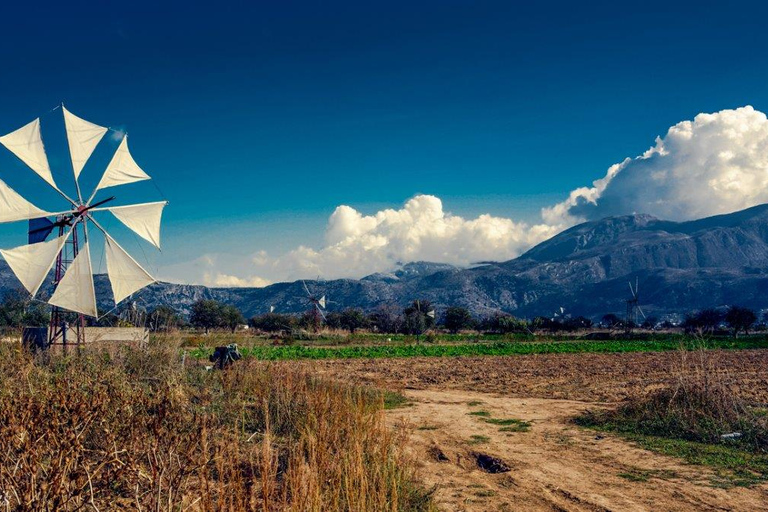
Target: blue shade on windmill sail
[[39, 229]]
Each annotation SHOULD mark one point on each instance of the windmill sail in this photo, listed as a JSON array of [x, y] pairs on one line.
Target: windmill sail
[[31, 263], [83, 137], [27, 144], [125, 274], [122, 169], [143, 219], [13, 207], [75, 291]]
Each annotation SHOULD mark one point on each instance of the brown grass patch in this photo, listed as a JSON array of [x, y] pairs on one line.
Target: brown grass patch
[[136, 430]]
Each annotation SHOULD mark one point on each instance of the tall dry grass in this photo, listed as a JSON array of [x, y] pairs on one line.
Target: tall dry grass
[[136, 430], [700, 404]]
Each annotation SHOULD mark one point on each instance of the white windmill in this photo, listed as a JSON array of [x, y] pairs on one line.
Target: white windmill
[[633, 306], [69, 250], [317, 304]]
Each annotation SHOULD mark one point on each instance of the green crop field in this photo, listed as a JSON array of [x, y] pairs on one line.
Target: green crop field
[[294, 352]]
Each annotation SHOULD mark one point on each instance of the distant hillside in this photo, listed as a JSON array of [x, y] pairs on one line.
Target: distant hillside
[[682, 266]]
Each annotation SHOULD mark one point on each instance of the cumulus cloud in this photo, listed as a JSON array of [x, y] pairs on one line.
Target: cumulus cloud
[[716, 163], [358, 244]]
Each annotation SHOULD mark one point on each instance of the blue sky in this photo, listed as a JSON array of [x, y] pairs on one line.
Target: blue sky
[[258, 119]]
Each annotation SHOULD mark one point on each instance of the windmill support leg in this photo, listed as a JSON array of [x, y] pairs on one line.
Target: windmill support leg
[[58, 330]]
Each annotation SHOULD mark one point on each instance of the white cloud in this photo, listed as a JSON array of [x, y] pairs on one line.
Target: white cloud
[[225, 280], [358, 244], [207, 269], [716, 163]]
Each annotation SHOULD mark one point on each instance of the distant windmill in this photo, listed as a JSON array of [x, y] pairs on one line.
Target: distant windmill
[[317, 303], [430, 313], [633, 307]]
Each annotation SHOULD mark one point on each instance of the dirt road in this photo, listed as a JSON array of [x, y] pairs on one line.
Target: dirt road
[[553, 466]]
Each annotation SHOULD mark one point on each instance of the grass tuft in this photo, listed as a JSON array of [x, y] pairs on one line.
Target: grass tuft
[[394, 400]]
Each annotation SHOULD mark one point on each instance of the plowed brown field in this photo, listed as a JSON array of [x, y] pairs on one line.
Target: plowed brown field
[[591, 377]]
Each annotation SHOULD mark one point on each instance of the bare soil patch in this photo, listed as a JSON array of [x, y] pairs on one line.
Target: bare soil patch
[[591, 377]]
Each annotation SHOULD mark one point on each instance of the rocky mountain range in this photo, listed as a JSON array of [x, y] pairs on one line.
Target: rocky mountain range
[[679, 266]]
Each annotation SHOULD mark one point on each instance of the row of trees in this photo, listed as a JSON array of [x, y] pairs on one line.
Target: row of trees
[[736, 318], [414, 319], [17, 310], [211, 314]]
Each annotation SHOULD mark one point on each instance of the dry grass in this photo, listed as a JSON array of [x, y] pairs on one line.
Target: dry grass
[[135, 430], [699, 405]]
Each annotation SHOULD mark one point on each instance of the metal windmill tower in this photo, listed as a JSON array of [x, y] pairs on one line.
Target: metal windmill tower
[[68, 252], [633, 307]]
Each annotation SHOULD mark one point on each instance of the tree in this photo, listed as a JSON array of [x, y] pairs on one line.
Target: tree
[[353, 319], [12, 309], [164, 318], [576, 323], [333, 320], [740, 319], [416, 319], [546, 323], [272, 322], [705, 320], [105, 319], [206, 314], [36, 315], [610, 320], [18, 310], [231, 317], [458, 318], [387, 318], [503, 323], [650, 322], [311, 320]]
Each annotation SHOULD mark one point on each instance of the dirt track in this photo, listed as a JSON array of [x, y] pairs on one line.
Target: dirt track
[[555, 465]]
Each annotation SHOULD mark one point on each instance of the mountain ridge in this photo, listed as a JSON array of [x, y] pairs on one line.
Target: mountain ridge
[[681, 266]]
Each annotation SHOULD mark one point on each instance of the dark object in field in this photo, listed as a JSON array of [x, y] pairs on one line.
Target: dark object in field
[[491, 464], [35, 338], [225, 356]]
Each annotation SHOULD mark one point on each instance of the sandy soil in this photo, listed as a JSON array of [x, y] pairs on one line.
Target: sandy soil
[[553, 466]]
